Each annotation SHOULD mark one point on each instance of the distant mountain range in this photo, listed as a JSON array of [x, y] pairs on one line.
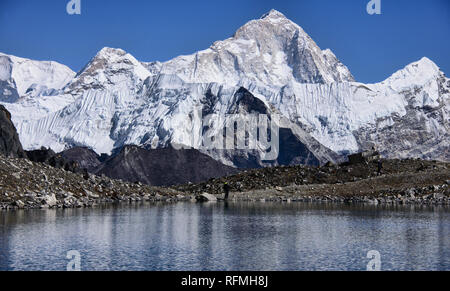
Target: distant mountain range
[[269, 64]]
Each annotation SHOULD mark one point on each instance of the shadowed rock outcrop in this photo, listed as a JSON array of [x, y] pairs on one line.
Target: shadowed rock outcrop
[[10, 145], [163, 167], [84, 157]]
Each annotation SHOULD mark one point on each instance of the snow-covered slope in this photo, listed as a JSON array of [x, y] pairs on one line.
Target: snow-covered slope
[[107, 86], [333, 112], [20, 77], [32, 89], [117, 100], [421, 129]]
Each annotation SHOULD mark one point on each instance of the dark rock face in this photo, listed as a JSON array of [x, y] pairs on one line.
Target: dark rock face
[[43, 155], [209, 101], [249, 103], [163, 167], [49, 157], [10, 145], [293, 151], [84, 157], [10, 87]]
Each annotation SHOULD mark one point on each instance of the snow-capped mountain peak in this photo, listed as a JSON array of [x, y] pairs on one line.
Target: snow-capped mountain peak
[[110, 67], [273, 14], [117, 100], [20, 77], [114, 59], [418, 73], [110, 53], [269, 52], [272, 25]]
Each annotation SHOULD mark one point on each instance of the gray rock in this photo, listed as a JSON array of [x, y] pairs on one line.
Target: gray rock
[[90, 194], [438, 195], [410, 193], [50, 200], [205, 197], [19, 204]]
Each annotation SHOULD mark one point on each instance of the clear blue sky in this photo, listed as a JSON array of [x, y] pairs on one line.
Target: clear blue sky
[[373, 47]]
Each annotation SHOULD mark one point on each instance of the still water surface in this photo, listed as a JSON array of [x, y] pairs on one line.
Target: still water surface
[[234, 236]]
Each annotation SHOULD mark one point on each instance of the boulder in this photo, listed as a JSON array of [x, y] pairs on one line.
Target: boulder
[[205, 197], [19, 204], [91, 195], [50, 200], [438, 195]]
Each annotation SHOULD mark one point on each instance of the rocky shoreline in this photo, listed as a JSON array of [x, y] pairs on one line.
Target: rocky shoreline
[[30, 185], [401, 182], [433, 195]]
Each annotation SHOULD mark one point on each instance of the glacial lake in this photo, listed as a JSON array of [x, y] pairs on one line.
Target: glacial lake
[[227, 236]]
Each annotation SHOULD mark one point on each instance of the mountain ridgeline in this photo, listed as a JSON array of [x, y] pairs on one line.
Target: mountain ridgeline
[[133, 112]]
